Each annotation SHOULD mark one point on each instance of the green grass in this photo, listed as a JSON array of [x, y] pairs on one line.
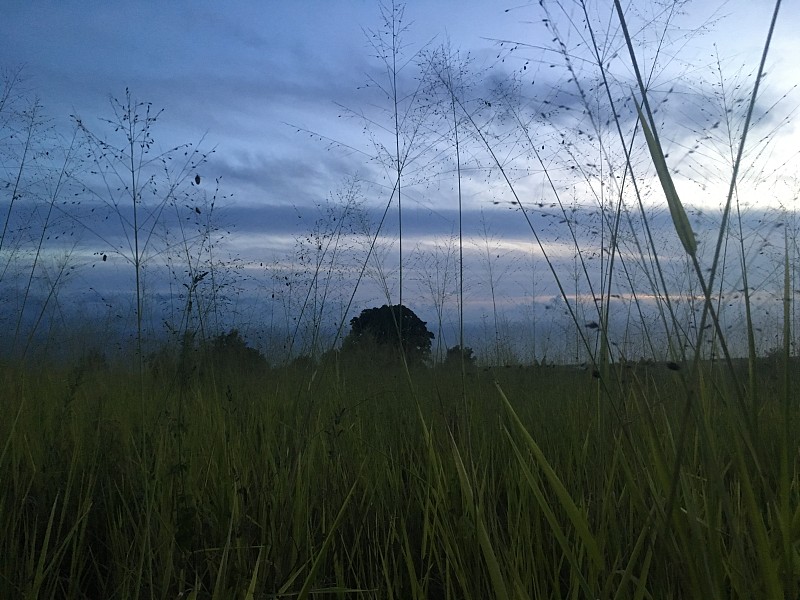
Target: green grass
[[212, 479], [269, 486]]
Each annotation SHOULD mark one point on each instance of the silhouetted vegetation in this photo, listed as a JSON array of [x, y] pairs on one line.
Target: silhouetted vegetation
[[230, 351], [377, 334], [455, 356]]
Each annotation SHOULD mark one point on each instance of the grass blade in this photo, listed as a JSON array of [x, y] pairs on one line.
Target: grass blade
[[251, 589], [576, 515], [305, 591], [498, 583], [679, 218]]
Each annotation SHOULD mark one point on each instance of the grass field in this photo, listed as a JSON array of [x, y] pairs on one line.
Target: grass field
[[199, 474], [542, 482]]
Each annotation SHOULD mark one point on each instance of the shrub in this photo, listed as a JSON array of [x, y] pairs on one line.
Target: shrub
[[376, 331]]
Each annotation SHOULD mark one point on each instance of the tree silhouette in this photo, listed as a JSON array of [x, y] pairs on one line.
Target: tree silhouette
[[455, 355], [230, 350], [376, 331]]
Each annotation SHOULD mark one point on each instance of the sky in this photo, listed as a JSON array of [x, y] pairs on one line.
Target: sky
[[285, 95]]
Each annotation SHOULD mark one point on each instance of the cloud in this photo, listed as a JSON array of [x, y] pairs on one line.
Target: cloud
[[283, 94]]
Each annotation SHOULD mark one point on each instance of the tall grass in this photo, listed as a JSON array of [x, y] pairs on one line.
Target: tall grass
[[36, 245], [210, 479], [376, 498]]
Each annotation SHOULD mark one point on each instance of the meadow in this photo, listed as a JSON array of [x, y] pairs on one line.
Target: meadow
[[657, 457], [538, 482]]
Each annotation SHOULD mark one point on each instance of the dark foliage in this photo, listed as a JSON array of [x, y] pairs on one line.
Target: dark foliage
[[304, 362], [231, 351], [455, 355], [376, 330], [226, 352]]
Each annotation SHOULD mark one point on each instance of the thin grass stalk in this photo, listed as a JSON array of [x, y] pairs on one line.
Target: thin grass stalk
[[742, 141], [222, 569], [445, 77], [196, 276], [363, 269], [310, 580], [772, 586], [613, 226], [30, 129], [786, 471], [495, 159], [393, 17], [499, 588], [51, 299], [575, 515], [680, 223], [338, 235], [597, 360], [38, 575], [307, 420], [750, 424], [602, 315], [137, 258], [645, 220], [54, 195], [334, 240], [752, 356], [571, 555], [395, 104], [716, 494], [661, 292], [460, 241], [493, 281], [644, 543], [686, 235], [683, 229], [680, 220], [127, 164]]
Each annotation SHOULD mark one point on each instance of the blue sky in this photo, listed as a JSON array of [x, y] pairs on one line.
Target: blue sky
[[252, 79]]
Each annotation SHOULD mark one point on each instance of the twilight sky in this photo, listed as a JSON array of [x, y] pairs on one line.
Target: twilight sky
[[285, 93]]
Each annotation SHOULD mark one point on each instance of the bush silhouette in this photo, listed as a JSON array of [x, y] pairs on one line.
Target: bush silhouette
[[375, 332], [455, 355], [231, 352]]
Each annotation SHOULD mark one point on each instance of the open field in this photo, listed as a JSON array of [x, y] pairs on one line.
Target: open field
[[279, 484], [149, 450]]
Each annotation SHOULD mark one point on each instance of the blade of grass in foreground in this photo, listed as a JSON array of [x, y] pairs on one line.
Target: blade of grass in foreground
[[679, 218], [552, 520], [312, 575], [39, 574], [10, 437], [576, 516], [785, 478], [251, 589], [223, 563], [498, 583], [761, 539]]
